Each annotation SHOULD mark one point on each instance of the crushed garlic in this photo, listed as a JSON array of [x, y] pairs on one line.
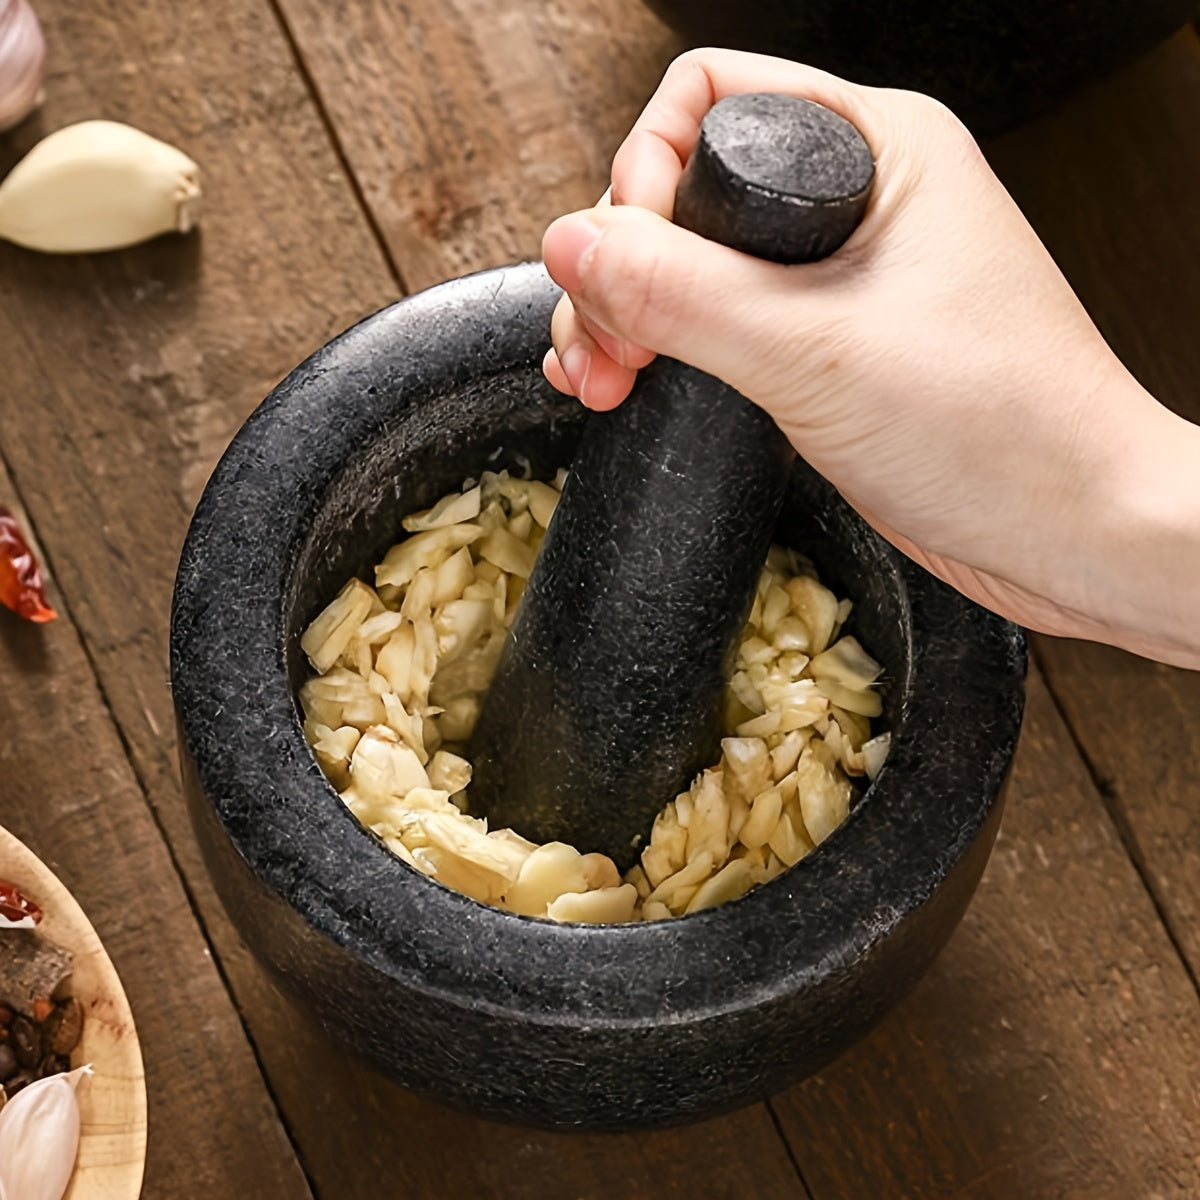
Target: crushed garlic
[[402, 668]]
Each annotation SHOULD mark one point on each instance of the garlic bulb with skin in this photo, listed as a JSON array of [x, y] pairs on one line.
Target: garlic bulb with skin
[[22, 62], [98, 185]]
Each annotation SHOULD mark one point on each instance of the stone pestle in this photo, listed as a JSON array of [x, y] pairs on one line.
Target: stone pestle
[[608, 697]]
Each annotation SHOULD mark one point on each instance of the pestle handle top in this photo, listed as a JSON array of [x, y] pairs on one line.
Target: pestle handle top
[[777, 177]]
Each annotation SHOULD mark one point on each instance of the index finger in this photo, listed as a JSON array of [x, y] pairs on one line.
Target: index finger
[[647, 167]]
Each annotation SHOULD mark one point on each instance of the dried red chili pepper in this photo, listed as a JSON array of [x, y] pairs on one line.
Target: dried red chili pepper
[[21, 587], [16, 906]]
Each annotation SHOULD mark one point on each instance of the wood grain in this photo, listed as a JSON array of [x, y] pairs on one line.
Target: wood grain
[[1119, 213], [125, 376], [68, 792], [1049, 1053], [127, 373], [467, 126], [471, 125], [359, 1130], [112, 1099]]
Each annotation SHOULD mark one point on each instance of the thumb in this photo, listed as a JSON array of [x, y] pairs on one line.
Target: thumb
[[643, 280]]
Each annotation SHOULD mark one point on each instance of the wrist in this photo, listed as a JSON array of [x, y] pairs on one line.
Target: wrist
[[1142, 585]]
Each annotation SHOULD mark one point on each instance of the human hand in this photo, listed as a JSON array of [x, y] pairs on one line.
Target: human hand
[[938, 369]]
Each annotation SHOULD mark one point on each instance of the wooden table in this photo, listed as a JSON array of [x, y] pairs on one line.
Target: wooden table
[[357, 151]]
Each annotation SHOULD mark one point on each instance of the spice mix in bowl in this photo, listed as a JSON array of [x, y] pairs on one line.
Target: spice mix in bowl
[[73, 1120]]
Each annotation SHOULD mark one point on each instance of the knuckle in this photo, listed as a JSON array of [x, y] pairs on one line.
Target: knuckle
[[929, 141], [688, 73], [622, 166], [935, 115], [688, 63]]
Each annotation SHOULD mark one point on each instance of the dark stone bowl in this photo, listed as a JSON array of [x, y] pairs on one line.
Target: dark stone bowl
[[516, 1018], [995, 62]]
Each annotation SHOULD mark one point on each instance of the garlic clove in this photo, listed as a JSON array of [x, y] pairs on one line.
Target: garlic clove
[[39, 1138], [22, 62], [603, 906], [98, 185]]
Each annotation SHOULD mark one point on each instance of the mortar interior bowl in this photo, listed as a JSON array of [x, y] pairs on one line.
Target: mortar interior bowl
[[512, 1017]]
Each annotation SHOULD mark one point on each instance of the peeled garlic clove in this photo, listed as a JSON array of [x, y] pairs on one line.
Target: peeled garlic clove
[[448, 771], [671, 891], [875, 752], [424, 551], [641, 882], [542, 501], [749, 764], [847, 663], [708, 829], [382, 768], [817, 608], [22, 62], [607, 906], [508, 553], [760, 727], [449, 510], [763, 818], [98, 185], [824, 797], [325, 639], [39, 1138], [545, 875], [734, 879], [865, 703]]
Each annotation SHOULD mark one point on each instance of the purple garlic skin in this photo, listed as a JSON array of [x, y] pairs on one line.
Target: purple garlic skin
[[22, 62]]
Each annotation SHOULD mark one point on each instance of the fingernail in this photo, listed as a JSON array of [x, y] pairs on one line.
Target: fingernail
[[566, 246], [576, 363]]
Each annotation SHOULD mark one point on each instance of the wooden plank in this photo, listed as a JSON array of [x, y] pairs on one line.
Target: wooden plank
[[133, 370], [68, 792], [177, 342], [1119, 214], [1051, 1049], [471, 125], [363, 1136], [127, 373]]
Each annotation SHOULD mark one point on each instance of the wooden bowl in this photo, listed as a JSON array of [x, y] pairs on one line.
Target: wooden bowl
[[112, 1103]]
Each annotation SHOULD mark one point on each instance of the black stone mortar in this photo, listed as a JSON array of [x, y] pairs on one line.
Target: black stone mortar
[[994, 62], [512, 1017]]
